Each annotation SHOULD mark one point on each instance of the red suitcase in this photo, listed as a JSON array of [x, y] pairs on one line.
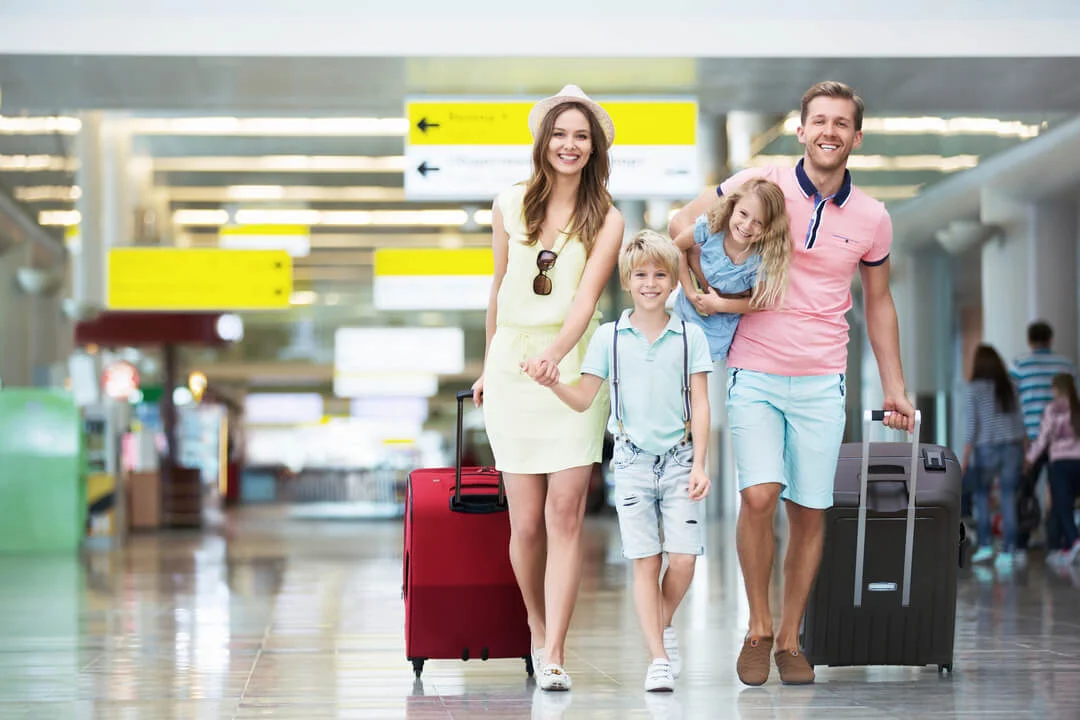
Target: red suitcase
[[461, 597]]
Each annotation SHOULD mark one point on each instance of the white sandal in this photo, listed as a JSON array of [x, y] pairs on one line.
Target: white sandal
[[538, 660], [554, 678]]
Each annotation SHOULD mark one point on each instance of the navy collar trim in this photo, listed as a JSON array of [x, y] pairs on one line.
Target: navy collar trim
[[809, 190]]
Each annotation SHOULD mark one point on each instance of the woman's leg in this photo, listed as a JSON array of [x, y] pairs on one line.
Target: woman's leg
[[564, 512], [980, 497], [1012, 465], [526, 495], [1063, 499], [648, 604]]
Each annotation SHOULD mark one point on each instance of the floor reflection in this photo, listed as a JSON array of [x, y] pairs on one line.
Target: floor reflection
[[284, 618]]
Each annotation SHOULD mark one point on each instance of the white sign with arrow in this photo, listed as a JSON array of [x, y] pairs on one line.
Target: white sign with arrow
[[472, 150]]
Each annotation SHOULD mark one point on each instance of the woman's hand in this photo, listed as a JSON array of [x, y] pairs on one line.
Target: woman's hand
[[478, 391], [543, 368]]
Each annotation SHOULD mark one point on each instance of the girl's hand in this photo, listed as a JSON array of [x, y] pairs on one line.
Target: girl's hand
[[478, 391], [707, 303]]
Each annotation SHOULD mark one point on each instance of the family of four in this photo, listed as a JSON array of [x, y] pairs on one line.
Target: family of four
[[765, 263]]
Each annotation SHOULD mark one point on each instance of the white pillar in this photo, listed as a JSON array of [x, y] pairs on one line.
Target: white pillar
[[104, 151], [1052, 270], [1005, 293]]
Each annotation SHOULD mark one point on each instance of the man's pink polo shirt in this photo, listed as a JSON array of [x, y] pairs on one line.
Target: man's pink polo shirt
[[808, 334]]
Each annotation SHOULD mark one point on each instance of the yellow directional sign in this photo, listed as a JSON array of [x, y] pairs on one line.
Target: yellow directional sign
[[454, 122], [466, 149], [198, 279], [431, 261]]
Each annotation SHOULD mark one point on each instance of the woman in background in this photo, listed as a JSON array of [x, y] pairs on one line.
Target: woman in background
[[994, 448]]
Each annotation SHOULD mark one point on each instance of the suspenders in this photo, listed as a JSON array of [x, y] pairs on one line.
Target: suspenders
[[617, 403]]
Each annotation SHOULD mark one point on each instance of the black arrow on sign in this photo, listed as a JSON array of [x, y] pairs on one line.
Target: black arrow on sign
[[423, 168], [424, 125]]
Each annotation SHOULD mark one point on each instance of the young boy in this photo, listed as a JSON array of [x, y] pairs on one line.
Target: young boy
[[657, 366]]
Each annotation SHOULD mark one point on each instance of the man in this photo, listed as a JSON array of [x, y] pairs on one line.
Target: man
[[1032, 374], [786, 369]]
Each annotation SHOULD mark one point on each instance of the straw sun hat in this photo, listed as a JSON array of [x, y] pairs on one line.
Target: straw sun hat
[[571, 93]]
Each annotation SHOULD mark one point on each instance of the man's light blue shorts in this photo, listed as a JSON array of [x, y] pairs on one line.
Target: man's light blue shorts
[[787, 430]]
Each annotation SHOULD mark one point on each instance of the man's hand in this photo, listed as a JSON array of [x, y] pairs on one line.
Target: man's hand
[[699, 484], [899, 412]]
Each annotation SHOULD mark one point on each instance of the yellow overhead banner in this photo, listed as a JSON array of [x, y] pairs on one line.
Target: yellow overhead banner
[[432, 261], [456, 122], [198, 279]]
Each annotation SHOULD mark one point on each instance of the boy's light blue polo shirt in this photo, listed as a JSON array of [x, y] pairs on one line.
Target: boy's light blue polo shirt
[[650, 379]]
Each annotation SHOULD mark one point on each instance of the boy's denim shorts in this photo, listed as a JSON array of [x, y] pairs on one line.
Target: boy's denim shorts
[[652, 497]]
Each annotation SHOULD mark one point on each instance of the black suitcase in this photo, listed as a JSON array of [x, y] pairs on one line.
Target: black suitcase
[[886, 590]]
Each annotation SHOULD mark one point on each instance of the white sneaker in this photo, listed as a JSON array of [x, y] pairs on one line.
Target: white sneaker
[[554, 678], [1020, 557], [1004, 561], [1072, 554], [659, 677], [671, 647], [983, 554]]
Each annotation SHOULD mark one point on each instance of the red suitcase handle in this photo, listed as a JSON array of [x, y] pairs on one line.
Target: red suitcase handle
[[473, 504]]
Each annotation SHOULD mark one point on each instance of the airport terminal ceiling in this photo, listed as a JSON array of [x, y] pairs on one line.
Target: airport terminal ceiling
[[205, 175]]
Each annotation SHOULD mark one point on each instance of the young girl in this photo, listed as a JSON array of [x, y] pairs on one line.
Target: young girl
[[555, 240], [1060, 431], [745, 247], [993, 448]]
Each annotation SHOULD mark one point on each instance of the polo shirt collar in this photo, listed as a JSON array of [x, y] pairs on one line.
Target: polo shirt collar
[[809, 190], [674, 324]]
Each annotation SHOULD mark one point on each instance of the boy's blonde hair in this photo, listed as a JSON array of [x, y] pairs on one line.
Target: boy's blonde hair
[[648, 247], [774, 244]]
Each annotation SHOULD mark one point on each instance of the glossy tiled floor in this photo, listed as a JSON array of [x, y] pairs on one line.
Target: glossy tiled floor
[[303, 619]]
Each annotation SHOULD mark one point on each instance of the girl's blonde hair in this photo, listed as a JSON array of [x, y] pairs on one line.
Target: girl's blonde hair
[[774, 244], [648, 247], [593, 198]]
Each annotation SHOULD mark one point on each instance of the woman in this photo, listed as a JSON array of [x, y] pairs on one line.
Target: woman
[[995, 436], [1060, 431], [555, 239]]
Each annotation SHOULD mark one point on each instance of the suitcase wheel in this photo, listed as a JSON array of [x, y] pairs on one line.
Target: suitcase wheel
[[417, 666], [945, 668], [529, 669]]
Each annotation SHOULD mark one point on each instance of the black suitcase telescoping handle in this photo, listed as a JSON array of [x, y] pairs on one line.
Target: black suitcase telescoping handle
[[870, 417], [472, 504]]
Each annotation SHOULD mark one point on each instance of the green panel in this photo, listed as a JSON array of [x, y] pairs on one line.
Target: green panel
[[41, 499]]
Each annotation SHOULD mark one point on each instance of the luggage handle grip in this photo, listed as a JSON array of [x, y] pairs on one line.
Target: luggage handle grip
[[455, 499], [888, 473], [478, 504], [869, 417]]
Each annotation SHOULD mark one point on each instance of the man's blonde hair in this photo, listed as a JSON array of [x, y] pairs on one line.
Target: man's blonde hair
[[648, 247]]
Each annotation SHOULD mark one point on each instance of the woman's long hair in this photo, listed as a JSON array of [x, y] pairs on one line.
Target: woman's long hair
[[593, 199], [988, 365], [774, 245], [1065, 384]]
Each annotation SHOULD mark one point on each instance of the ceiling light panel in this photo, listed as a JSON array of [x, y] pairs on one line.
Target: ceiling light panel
[[38, 163], [272, 127], [59, 125], [282, 163], [299, 193]]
